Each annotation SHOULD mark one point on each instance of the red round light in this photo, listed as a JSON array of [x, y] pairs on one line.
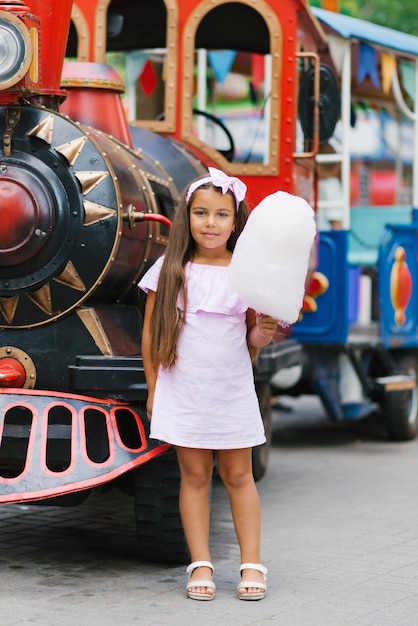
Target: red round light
[[26, 216], [12, 373]]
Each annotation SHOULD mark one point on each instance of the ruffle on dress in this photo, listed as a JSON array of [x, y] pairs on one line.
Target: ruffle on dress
[[208, 289]]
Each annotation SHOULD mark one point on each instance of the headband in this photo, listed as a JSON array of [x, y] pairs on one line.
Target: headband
[[220, 179]]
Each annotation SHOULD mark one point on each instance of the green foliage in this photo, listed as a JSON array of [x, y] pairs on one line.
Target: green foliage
[[348, 7], [397, 14]]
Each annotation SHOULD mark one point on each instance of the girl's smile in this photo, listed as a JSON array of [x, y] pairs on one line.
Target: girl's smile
[[209, 234]]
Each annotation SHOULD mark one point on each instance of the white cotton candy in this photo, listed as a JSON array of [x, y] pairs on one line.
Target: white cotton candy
[[271, 257]]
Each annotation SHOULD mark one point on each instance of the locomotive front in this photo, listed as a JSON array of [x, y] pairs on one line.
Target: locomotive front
[[81, 216]]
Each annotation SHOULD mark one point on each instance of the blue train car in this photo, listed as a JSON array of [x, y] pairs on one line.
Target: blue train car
[[359, 328]]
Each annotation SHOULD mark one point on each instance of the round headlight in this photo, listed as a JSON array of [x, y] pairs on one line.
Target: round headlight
[[15, 50]]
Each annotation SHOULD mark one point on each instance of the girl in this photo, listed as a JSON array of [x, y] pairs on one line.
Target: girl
[[201, 396]]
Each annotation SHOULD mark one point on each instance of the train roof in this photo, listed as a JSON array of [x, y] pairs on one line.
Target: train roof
[[354, 28], [237, 26]]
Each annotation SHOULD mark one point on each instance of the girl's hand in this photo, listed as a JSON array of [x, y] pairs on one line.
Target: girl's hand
[[265, 329], [266, 325]]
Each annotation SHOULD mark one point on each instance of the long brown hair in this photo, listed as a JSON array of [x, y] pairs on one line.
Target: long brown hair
[[167, 321]]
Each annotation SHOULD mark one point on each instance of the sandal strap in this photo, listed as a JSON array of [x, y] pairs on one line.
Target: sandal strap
[[248, 584], [201, 583], [257, 566], [197, 564]]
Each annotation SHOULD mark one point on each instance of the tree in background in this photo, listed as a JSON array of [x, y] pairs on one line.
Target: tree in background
[[348, 7], [398, 14]]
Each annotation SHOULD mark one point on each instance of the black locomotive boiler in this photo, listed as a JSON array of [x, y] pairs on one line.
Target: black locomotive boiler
[[82, 215]]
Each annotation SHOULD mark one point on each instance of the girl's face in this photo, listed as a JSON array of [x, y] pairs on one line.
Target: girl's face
[[212, 219]]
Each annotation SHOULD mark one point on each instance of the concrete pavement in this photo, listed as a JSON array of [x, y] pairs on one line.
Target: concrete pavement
[[340, 539]]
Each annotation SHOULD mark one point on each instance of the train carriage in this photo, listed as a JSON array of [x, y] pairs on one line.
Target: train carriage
[[361, 343]]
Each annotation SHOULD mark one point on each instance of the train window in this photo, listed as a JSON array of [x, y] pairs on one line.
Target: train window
[[230, 85], [140, 42], [143, 50]]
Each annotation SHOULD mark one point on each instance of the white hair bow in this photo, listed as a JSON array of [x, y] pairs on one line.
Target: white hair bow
[[222, 180]]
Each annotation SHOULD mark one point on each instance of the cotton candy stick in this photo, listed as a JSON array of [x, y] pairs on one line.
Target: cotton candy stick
[[270, 261]]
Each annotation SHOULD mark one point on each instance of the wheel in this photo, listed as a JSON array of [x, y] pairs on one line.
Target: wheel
[[261, 453], [158, 522], [230, 151], [400, 408]]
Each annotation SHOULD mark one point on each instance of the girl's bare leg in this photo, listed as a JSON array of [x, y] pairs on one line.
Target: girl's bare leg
[[196, 467], [235, 469]]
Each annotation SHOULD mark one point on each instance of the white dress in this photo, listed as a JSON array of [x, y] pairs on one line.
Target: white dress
[[208, 400]]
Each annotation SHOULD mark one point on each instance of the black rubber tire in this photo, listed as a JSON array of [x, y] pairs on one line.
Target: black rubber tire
[[158, 523], [261, 453], [400, 408]]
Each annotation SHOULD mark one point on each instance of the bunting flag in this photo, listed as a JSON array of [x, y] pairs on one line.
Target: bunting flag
[[148, 78], [221, 62], [135, 61], [388, 69], [257, 70], [337, 48], [408, 79], [118, 61], [367, 65]]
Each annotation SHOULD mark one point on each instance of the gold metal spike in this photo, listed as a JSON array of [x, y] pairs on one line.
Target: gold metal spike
[[8, 307], [90, 180], [44, 129], [42, 298], [96, 212], [70, 278], [71, 149], [96, 330]]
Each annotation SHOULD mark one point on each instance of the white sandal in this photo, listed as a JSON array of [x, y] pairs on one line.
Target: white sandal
[[200, 583], [252, 584]]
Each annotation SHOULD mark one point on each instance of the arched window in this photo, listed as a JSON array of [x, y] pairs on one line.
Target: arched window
[[138, 39], [149, 37], [231, 74]]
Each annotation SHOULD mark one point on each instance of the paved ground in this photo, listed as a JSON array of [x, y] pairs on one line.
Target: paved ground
[[340, 539]]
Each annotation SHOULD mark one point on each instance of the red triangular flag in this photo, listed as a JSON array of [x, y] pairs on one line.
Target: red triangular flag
[[148, 79]]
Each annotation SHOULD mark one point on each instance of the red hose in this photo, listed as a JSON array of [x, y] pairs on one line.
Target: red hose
[[156, 217]]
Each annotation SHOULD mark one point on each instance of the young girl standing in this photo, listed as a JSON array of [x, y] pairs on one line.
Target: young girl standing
[[201, 394]]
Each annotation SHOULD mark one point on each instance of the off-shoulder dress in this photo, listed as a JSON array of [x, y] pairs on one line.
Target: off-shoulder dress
[[208, 399]]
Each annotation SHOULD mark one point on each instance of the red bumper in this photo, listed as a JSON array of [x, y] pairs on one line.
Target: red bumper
[[53, 444]]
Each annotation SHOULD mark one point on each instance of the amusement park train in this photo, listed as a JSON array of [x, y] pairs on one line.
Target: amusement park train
[[94, 153]]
